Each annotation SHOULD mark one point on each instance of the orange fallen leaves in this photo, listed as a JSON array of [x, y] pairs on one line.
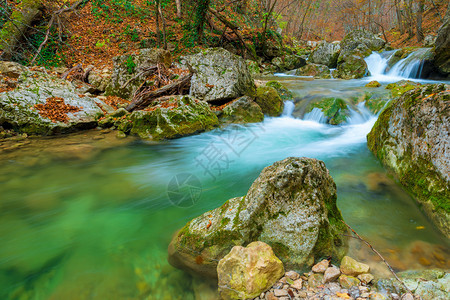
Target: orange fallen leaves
[[56, 109]]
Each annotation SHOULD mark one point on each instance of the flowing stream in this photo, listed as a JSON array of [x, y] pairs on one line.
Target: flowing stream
[[96, 225]]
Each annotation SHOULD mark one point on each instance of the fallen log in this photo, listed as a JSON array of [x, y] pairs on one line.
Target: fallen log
[[145, 98]]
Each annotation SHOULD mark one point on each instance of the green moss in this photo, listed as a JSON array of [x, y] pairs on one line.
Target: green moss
[[270, 102], [283, 92], [280, 250], [335, 109]]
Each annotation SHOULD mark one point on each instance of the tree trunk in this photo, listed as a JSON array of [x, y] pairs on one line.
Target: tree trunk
[[164, 26], [419, 32], [398, 12], [15, 28], [178, 3], [158, 31], [200, 17]]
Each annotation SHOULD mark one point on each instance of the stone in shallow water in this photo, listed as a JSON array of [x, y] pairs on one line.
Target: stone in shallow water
[[321, 266], [365, 278], [348, 281], [315, 280], [331, 274], [246, 272], [351, 267]]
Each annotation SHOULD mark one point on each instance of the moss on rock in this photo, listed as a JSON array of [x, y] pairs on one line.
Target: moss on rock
[[269, 100]]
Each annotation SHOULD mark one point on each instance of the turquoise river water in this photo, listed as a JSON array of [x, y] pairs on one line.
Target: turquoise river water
[[96, 224]]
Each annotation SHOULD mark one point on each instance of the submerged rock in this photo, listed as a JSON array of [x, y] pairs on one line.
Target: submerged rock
[[291, 206], [326, 54], [315, 70], [351, 267], [128, 66], [178, 116], [247, 272], [269, 101], [39, 103], [411, 139], [220, 75], [242, 110]]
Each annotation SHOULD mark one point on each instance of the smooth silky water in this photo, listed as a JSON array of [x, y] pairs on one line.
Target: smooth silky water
[[98, 226]]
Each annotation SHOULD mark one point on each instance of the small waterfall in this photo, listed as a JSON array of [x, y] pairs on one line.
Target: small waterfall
[[360, 115], [409, 67], [316, 115], [288, 109]]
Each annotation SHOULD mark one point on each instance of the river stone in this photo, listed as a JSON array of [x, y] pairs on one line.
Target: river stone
[[365, 278], [326, 54], [128, 66], [100, 79], [219, 75], [315, 280], [442, 49], [247, 272], [242, 110], [283, 92], [411, 139], [373, 84], [331, 274], [400, 87], [288, 62], [335, 110], [321, 266], [348, 281], [291, 206], [315, 70], [351, 67], [270, 102], [292, 275], [185, 116], [352, 40], [351, 267], [17, 106]]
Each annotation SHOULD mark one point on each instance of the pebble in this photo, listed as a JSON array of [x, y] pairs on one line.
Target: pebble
[[292, 275], [280, 293], [366, 278], [354, 292], [297, 284], [331, 274], [321, 266], [407, 296]]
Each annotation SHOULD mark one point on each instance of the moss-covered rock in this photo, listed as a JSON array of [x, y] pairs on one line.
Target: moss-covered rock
[[334, 109], [326, 54], [442, 49], [43, 104], [283, 92], [219, 75], [400, 87], [351, 67], [373, 84], [245, 273], [291, 206], [270, 102], [179, 116], [410, 138], [288, 62], [253, 68], [315, 70], [242, 110], [357, 37]]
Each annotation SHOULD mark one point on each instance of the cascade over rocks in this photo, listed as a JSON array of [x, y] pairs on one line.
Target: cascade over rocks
[[128, 66], [326, 54], [411, 139], [291, 206], [219, 75]]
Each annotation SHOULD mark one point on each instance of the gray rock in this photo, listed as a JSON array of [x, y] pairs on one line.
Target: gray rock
[[429, 41], [18, 106], [100, 79], [291, 206], [128, 66], [326, 54], [331, 274], [352, 40], [288, 62], [315, 70], [442, 50], [219, 75], [411, 139], [11, 69]]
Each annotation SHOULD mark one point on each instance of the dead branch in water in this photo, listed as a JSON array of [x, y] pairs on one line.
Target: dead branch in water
[[357, 236]]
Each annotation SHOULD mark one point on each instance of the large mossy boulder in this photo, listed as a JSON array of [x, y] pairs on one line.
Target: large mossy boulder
[[219, 75], [326, 54], [411, 138], [270, 102], [357, 37], [283, 91], [176, 117], [242, 110], [400, 87], [335, 110], [128, 72], [351, 67], [314, 70], [442, 49], [38, 103], [288, 62], [245, 273], [291, 206]]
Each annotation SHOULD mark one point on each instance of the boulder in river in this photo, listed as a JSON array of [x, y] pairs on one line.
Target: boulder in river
[[283, 92], [219, 75], [315, 70], [351, 67], [326, 54], [335, 110], [245, 273], [242, 110], [270, 102], [174, 117], [442, 49], [288, 62], [291, 206], [356, 37], [128, 75], [38, 103], [411, 138]]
